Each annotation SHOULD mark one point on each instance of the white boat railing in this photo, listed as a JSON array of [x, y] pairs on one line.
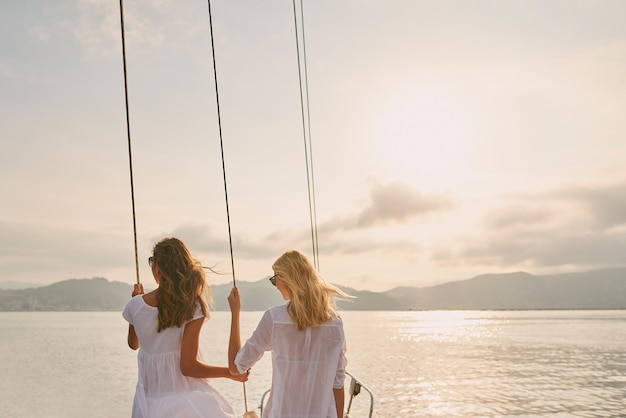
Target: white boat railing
[[353, 390]]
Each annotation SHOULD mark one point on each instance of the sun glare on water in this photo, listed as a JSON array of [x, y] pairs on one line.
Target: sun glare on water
[[444, 326]]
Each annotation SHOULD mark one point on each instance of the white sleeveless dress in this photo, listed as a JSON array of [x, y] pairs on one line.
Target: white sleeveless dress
[[162, 390]]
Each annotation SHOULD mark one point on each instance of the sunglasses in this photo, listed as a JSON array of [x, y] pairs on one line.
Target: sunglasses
[[273, 280], [150, 261]]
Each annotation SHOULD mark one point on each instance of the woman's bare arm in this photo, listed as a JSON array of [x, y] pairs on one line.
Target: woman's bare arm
[[133, 340], [190, 365], [339, 401], [234, 343]]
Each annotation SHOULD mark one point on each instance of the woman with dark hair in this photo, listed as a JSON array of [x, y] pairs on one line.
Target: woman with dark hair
[[165, 325]]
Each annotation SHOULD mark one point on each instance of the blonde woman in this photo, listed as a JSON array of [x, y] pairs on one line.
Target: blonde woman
[[306, 339], [165, 325]]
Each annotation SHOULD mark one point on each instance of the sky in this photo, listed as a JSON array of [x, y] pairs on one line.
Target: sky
[[448, 138]]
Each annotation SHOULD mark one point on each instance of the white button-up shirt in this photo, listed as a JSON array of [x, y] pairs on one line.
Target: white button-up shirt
[[306, 364]]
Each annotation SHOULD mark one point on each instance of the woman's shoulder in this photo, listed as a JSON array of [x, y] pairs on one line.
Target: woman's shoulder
[[135, 301], [134, 305], [337, 320], [199, 313], [277, 309], [334, 321], [278, 312]]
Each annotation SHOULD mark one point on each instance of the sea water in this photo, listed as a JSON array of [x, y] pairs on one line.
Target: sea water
[[417, 364]]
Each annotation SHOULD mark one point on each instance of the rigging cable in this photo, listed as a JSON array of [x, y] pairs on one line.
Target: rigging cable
[[308, 147], [219, 125], [130, 154]]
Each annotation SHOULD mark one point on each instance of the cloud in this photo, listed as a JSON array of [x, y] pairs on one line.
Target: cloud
[[394, 203], [355, 244], [210, 239], [569, 227], [207, 238], [146, 23], [60, 250], [564, 247], [518, 216], [96, 26], [398, 203], [583, 249], [199, 236], [606, 205]]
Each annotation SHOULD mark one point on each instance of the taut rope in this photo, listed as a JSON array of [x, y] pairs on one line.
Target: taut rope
[[308, 148], [130, 154], [219, 124]]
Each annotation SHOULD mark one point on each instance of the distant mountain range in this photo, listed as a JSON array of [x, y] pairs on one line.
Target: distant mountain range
[[598, 289]]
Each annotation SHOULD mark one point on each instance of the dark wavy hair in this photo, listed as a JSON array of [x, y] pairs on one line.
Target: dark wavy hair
[[182, 284]]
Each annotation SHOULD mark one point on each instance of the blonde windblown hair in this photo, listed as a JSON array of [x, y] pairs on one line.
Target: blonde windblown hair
[[312, 302], [182, 284]]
